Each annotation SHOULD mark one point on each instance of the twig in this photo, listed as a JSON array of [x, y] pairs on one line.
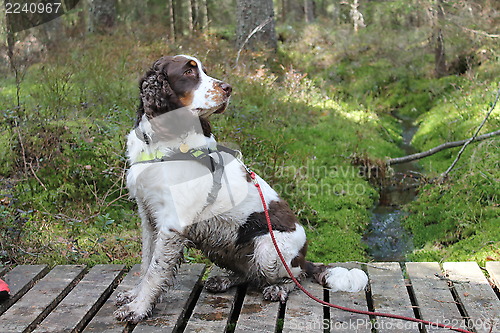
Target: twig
[[444, 175], [450, 302], [367, 264], [254, 31], [36, 177], [478, 32], [447, 145], [444, 278]]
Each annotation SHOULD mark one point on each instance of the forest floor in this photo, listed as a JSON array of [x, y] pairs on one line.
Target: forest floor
[[317, 126]]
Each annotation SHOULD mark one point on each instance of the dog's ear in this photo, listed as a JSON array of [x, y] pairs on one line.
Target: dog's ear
[[156, 95]]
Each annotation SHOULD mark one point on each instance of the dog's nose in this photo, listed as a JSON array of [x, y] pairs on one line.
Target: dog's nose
[[227, 88]]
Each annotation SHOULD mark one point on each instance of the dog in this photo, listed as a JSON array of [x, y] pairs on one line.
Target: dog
[[192, 192]]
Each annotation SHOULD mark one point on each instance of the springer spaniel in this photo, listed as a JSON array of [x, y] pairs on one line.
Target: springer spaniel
[[192, 192]]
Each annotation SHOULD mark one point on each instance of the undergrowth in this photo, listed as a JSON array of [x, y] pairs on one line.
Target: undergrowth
[[300, 117], [64, 151]]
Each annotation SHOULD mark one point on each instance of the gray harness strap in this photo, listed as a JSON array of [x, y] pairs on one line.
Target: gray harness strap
[[202, 156]]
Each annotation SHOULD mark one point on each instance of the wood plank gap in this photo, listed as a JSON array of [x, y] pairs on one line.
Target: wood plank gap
[[170, 312], [476, 295], [369, 302], [195, 295], [212, 311], [433, 296], [103, 320], [57, 300], [75, 310], [493, 268], [413, 298], [100, 302], [36, 304], [20, 280], [461, 308], [236, 308], [280, 319], [326, 312], [390, 295]]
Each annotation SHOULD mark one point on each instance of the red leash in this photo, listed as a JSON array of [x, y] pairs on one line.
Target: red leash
[[369, 313]]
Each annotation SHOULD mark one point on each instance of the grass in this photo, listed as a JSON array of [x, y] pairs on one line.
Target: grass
[[68, 203], [459, 220], [299, 116]]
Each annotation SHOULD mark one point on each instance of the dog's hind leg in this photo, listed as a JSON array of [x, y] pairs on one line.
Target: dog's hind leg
[[160, 273], [279, 291], [219, 284]]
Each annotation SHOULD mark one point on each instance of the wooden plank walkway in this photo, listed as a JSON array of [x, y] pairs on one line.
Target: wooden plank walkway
[[74, 298]]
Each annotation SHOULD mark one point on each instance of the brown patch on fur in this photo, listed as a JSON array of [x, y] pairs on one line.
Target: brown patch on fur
[[247, 175], [300, 259], [187, 99], [166, 87], [282, 219]]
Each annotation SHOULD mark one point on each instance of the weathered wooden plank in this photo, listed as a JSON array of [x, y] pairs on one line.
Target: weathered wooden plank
[[20, 280], [343, 321], [303, 314], [41, 299], [81, 303], [389, 295], [493, 268], [434, 298], [257, 314], [475, 293], [104, 321], [169, 314], [212, 311]]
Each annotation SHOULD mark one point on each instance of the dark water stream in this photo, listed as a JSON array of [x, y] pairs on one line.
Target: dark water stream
[[387, 240]]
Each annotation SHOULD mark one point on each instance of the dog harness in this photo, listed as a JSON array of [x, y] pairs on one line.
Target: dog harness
[[204, 156]]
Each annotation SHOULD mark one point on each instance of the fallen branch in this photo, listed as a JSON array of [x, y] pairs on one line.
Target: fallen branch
[[447, 145], [445, 174]]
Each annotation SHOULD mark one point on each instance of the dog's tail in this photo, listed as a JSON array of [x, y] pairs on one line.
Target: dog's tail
[[337, 278]]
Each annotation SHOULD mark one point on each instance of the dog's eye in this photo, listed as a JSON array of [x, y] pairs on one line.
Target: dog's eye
[[189, 71]]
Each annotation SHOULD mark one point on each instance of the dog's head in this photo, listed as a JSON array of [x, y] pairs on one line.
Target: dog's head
[[180, 81]]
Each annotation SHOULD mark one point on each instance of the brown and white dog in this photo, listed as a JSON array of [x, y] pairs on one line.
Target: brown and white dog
[[192, 193]]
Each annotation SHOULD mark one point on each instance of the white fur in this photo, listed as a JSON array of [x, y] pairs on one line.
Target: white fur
[[171, 196], [266, 257], [205, 97], [342, 279]]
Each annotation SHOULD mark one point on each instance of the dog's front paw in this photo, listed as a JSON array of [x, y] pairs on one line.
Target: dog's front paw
[[132, 312], [218, 284], [125, 297], [275, 293]]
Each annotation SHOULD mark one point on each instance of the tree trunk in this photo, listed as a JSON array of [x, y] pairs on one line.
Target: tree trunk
[[356, 16], [439, 50], [249, 15], [102, 15], [189, 15], [284, 10], [203, 14], [178, 18], [171, 20], [308, 11], [195, 14]]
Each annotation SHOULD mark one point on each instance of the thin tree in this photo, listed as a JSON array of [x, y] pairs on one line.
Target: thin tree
[[250, 14], [440, 68], [102, 15], [171, 19]]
